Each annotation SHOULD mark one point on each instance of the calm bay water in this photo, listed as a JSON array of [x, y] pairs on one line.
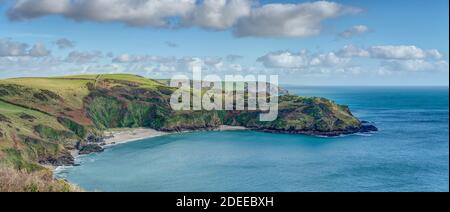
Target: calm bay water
[[410, 153]]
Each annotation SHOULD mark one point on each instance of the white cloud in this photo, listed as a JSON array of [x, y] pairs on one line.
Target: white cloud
[[390, 59], [39, 50], [9, 48], [83, 57], [64, 43], [27, 9], [352, 51], [242, 16], [403, 52], [434, 53], [329, 60], [171, 65], [302, 60], [132, 12], [390, 52], [415, 65], [220, 14], [126, 58], [290, 20], [355, 30], [233, 57], [12, 48], [27, 65], [285, 60]]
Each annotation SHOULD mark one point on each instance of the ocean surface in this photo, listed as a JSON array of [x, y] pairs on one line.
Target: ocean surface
[[409, 153]]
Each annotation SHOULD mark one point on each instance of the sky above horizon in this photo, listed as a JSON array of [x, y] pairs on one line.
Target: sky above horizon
[[342, 42]]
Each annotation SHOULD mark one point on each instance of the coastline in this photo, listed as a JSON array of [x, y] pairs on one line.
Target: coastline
[[119, 136], [127, 135], [114, 137]]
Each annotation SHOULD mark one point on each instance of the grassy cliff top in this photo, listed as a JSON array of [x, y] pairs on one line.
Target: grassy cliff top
[[42, 118]]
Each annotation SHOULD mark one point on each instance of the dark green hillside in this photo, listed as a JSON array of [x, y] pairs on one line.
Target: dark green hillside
[[42, 119]]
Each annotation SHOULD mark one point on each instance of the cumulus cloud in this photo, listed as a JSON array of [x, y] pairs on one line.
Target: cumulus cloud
[[64, 43], [416, 65], [355, 30], [220, 14], [123, 58], [390, 58], [289, 60], [9, 48], [39, 50], [329, 60], [173, 65], [132, 12], [28, 9], [403, 52], [83, 57], [352, 51], [12, 48], [126, 58], [244, 17], [390, 52], [290, 20], [285, 60], [233, 57]]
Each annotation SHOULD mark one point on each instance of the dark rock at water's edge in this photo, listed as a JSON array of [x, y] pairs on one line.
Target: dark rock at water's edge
[[129, 101], [364, 128], [64, 159], [95, 139], [90, 148]]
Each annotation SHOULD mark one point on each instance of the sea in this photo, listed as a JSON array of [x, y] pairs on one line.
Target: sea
[[409, 153]]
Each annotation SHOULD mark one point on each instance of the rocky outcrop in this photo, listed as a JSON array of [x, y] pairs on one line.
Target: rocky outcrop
[[95, 139], [367, 127], [361, 129], [64, 159], [52, 123], [90, 148]]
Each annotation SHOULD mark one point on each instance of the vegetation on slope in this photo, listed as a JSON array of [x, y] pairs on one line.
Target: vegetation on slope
[[41, 119], [13, 180], [28, 136]]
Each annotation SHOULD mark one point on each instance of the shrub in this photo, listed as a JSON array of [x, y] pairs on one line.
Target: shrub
[[13, 180]]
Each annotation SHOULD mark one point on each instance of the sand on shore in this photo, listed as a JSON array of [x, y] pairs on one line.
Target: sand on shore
[[231, 128], [125, 135]]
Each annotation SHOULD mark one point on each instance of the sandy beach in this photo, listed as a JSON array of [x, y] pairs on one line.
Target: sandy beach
[[121, 136], [125, 135], [231, 128]]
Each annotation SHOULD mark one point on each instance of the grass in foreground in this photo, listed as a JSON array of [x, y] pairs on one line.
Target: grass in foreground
[[12, 180]]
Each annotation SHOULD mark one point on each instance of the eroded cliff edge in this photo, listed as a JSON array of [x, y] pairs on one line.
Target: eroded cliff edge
[[43, 119]]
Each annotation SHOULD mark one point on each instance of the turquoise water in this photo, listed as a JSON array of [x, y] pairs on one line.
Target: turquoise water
[[410, 153]]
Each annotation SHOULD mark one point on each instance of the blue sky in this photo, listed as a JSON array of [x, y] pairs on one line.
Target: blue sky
[[392, 42]]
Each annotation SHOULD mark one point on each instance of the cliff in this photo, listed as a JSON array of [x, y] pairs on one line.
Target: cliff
[[42, 119]]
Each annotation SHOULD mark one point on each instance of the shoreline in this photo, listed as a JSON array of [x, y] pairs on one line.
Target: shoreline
[[126, 135], [114, 137]]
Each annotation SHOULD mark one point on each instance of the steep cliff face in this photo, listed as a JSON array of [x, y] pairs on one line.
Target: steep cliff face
[[301, 115], [41, 119]]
